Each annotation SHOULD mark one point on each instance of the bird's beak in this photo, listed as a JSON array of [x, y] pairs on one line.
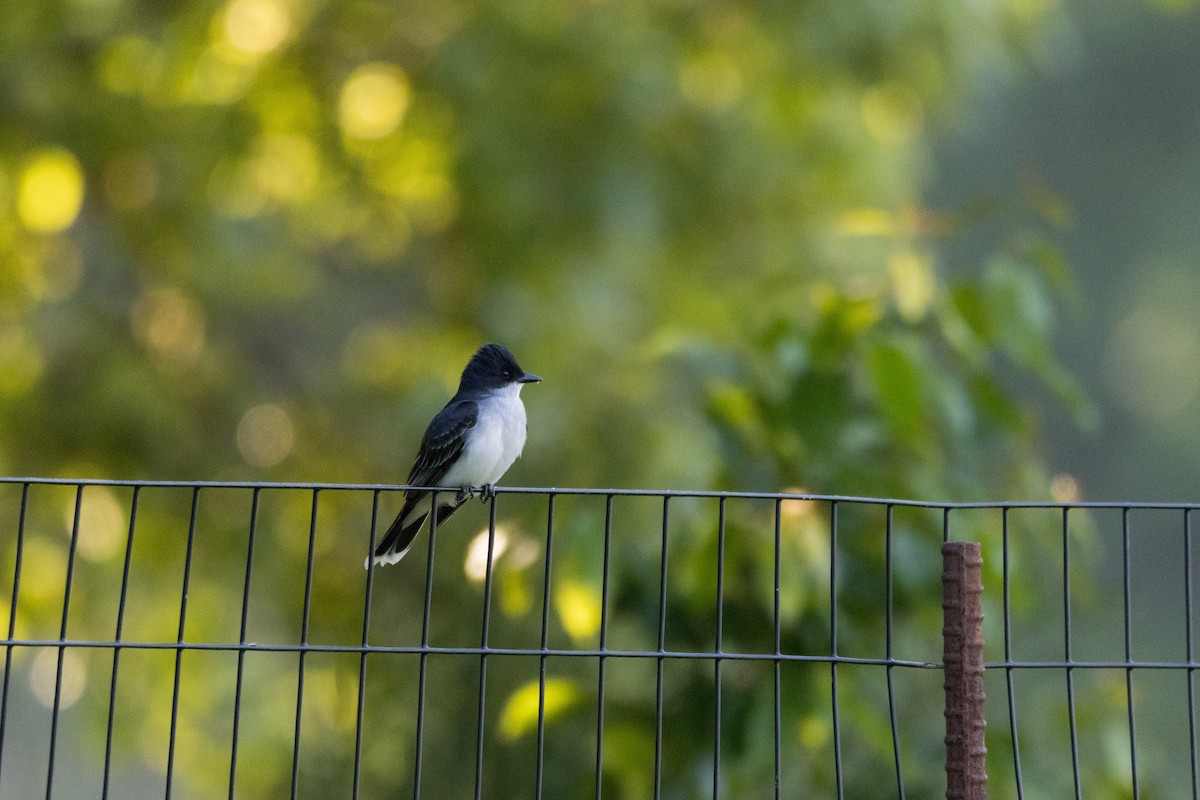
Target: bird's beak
[[529, 377]]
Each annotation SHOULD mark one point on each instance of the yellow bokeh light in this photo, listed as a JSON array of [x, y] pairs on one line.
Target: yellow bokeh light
[[222, 74], [50, 191], [373, 101], [333, 698], [520, 715], [914, 285], [795, 509], [578, 607], [101, 523], [257, 27], [417, 172], [892, 112], [285, 166], [866, 222], [43, 571], [522, 552], [814, 732], [265, 435], [170, 324], [476, 563], [1064, 488], [43, 675]]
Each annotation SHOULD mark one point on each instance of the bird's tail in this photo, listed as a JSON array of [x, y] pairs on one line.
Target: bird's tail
[[397, 541], [399, 538]]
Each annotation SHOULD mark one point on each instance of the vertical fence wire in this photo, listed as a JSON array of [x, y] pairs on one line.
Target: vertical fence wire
[[12, 622], [1067, 639], [300, 666], [360, 711], [541, 718], [776, 625], [833, 647], [662, 647], [62, 637], [719, 645], [239, 680], [602, 658], [1129, 652], [1189, 652], [179, 639], [889, 608], [116, 662], [423, 658], [481, 703], [1006, 600]]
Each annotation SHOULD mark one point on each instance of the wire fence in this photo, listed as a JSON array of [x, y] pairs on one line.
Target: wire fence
[[209, 639]]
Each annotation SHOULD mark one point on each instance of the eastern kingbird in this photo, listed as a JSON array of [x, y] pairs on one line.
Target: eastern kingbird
[[469, 444]]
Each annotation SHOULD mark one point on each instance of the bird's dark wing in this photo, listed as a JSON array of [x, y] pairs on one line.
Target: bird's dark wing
[[440, 448], [443, 442]]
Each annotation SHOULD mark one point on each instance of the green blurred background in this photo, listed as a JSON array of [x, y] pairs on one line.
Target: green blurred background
[[908, 249]]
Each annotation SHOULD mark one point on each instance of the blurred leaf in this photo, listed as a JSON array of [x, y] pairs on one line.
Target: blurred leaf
[[914, 284], [1021, 309], [897, 381], [971, 305], [578, 607], [520, 715], [990, 398], [1053, 265]]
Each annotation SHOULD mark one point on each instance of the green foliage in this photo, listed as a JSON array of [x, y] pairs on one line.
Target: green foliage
[[258, 241]]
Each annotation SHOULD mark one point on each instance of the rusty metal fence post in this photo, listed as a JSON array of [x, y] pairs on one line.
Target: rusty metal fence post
[[962, 643]]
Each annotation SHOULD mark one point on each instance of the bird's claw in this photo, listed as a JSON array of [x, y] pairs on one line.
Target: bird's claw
[[485, 492]]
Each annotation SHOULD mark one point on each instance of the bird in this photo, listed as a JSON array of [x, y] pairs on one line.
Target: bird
[[470, 444]]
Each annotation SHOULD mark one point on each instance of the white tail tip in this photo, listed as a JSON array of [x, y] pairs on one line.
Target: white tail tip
[[384, 560]]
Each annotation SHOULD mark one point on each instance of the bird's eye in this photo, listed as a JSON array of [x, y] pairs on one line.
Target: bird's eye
[[507, 374]]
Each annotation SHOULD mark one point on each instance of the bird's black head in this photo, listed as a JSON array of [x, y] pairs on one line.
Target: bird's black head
[[493, 367]]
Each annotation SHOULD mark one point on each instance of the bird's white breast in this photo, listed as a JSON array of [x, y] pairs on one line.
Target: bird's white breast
[[494, 443]]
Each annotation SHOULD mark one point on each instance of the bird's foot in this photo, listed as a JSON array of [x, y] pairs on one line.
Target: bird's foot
[[485, 492]]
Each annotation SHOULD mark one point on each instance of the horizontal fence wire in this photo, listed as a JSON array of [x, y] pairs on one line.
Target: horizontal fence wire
[[179, 638]]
